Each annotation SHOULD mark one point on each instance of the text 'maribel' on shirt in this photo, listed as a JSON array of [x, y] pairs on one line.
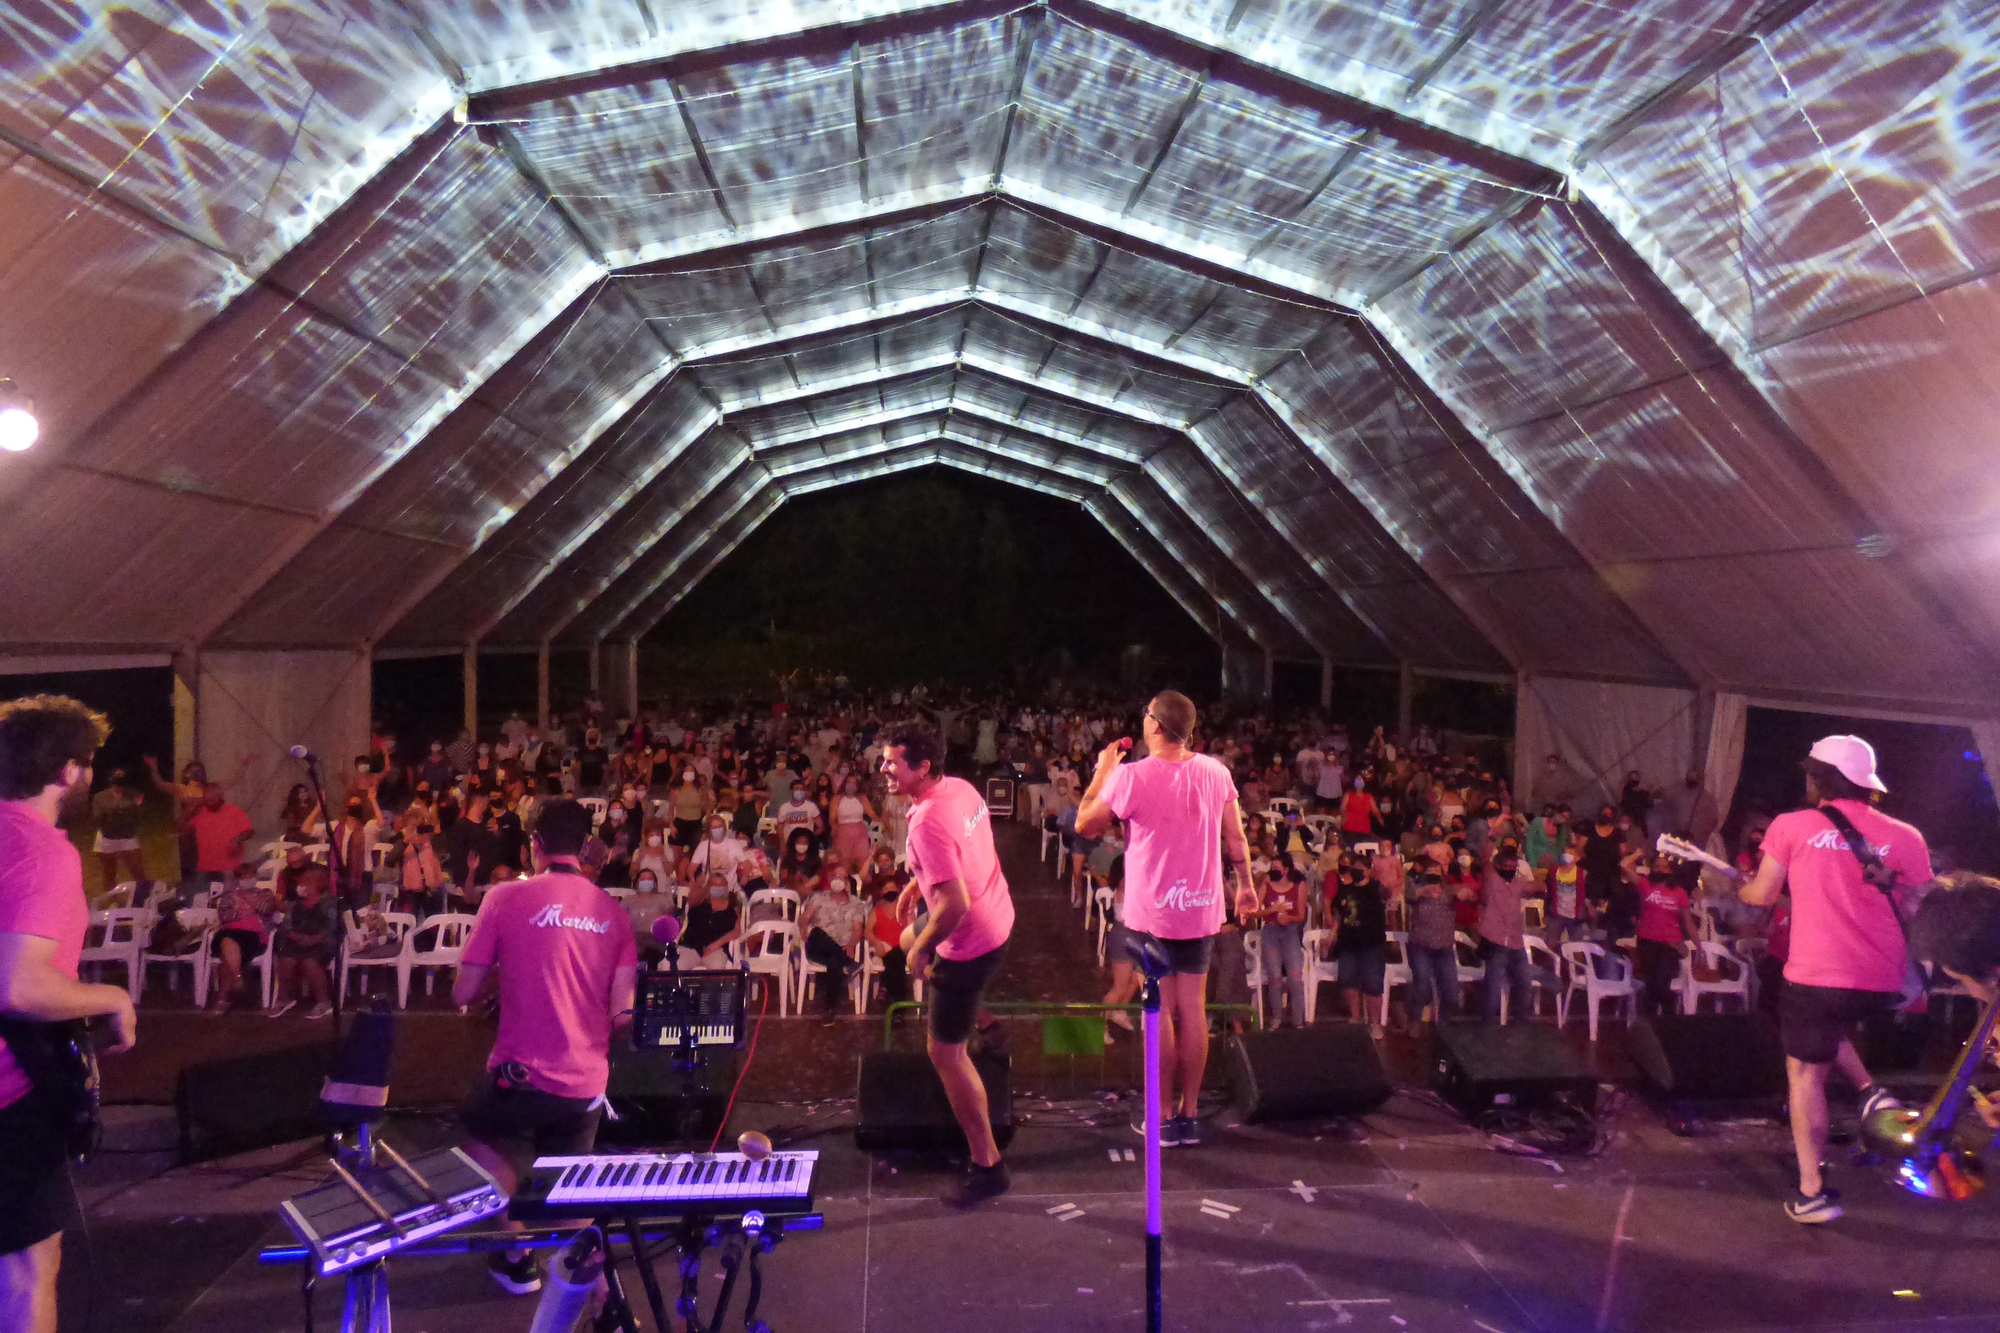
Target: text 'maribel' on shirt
[[558, 940], [1173, 813]]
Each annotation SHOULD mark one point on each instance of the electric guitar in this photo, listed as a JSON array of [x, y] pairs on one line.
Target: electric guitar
[[61, 1062], [1682, 849]]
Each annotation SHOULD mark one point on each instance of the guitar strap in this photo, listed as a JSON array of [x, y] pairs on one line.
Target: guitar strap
[[1875, 872]]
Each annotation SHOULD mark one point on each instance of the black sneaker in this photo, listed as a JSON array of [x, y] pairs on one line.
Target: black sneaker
[[978, 1184], [517, 1277], [1172, 1127], [1186, 1131], [1821, 1207]]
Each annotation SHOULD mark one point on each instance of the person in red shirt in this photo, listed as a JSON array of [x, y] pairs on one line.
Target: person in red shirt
[[46, 746], [1847, 956], [220, 832], [956, 873], [1666, 924], [567, 968]]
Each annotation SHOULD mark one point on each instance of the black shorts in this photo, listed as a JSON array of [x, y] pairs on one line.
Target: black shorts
[[246, 940], [1187, 958], [502, 1115], [36, 1197], [1814, 1020], [957, 986]]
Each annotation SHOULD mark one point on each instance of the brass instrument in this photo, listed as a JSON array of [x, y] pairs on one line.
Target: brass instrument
[[1936, 1150]]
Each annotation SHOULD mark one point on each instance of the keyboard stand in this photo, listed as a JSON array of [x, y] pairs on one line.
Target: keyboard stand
[[746, 1238]]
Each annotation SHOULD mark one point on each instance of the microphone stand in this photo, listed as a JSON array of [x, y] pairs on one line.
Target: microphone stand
[[338, 984], [1153, 962]]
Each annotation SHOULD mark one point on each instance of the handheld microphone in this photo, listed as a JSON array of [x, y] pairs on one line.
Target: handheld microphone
[[301, 752], [666, 930], [1125, 744]]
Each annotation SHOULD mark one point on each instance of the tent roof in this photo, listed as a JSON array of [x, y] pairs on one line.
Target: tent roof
[[1631, 341]]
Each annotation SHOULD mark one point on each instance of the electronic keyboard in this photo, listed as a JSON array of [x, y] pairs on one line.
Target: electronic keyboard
[[667, 1004], [649, 1185]]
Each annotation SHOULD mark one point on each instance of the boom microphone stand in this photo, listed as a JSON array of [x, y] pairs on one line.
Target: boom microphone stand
[[1152, 961]]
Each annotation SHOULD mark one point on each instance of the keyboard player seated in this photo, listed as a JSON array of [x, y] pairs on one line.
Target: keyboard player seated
[[563, 952]]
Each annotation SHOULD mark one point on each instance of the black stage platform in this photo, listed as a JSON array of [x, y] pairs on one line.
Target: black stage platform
[[1421, 1225]]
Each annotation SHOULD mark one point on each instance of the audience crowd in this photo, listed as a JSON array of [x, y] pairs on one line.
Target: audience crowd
[[1374, 857]]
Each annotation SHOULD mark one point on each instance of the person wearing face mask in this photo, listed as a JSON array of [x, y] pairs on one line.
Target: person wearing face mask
[[1502, 931], [1358, 812], [648, 904], [1603, 850], [1431, 950], [718, 849], [852, 812], [688, 804], [1360, 914], [798, 813], [1281, 910], [714, 922], [799, 867], [1569, 907], [831, 923]]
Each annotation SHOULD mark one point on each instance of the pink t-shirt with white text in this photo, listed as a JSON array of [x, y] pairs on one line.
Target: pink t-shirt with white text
[[1843, 931], [557, 939], [41, 893], [1173, 845], [950, 838]]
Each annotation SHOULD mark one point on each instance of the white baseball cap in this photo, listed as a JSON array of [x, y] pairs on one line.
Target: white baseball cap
[[1854, 757]]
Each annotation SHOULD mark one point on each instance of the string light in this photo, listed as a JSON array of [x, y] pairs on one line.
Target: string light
[[18, 427]]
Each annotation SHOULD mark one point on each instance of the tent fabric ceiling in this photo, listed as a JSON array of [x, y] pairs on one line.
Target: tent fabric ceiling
[[1633, 341]]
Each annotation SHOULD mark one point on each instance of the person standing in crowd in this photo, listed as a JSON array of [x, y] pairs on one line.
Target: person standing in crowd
[[1179, 809], [47, 743], [115, 811], [567, 968], [1281, 908], [1361, 936], [1848, 958], [852, 812], [1666, 924], [956, 874], [221, 831], [1431, 950], [1503, 931]]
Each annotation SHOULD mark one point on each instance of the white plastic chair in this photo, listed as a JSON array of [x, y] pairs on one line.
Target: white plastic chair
[[193, 950], [1719, 958], [597, 805], [401, 927], [871, 967], [1284, 805], [1395, 972], [770, 949], [1253, 961], [266, 964], [1583, 959], [379, 854], [1471, 962], [122, 941], [1534, 915], [1323, 827], [1107, 897], [1319, 968], [808, 969], [1051, 841], [449, 932], [788, 899], [1540, 958]]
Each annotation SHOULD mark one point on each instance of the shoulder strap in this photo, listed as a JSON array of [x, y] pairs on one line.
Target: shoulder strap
[[1872, 868]]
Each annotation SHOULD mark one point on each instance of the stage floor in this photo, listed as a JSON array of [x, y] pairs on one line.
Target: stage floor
[[1419, 1226]]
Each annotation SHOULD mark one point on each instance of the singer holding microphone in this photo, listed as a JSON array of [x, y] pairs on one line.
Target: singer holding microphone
[[1182, 820], [568, 966]]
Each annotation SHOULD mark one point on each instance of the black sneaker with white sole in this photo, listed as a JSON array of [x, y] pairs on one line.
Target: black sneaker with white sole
[[517, 1277], [1814, 1209], [978, 1184]]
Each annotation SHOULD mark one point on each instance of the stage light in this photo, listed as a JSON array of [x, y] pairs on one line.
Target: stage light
[[18, 427]]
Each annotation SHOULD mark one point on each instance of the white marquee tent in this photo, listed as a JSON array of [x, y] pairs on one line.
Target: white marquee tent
[[1631, 350]]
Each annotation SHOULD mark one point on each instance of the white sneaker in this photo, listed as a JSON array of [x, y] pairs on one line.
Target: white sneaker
[[282, 1007], [319, 1011]]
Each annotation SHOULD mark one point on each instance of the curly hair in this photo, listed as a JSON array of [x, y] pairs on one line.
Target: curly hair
[[41, 734], [919, 743]]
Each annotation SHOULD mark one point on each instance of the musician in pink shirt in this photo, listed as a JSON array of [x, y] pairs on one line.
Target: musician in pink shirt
[[1181, 818], [956, 874], [46, 746], [567, 968]]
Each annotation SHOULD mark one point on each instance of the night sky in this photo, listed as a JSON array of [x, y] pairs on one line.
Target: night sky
[[930, 574]]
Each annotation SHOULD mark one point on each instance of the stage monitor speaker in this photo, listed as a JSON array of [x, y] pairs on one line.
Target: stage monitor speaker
[[1710, 1057], [658, 1104], [1293, 1073], [1483, 1065], [251, 1101], [900, 1101]]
